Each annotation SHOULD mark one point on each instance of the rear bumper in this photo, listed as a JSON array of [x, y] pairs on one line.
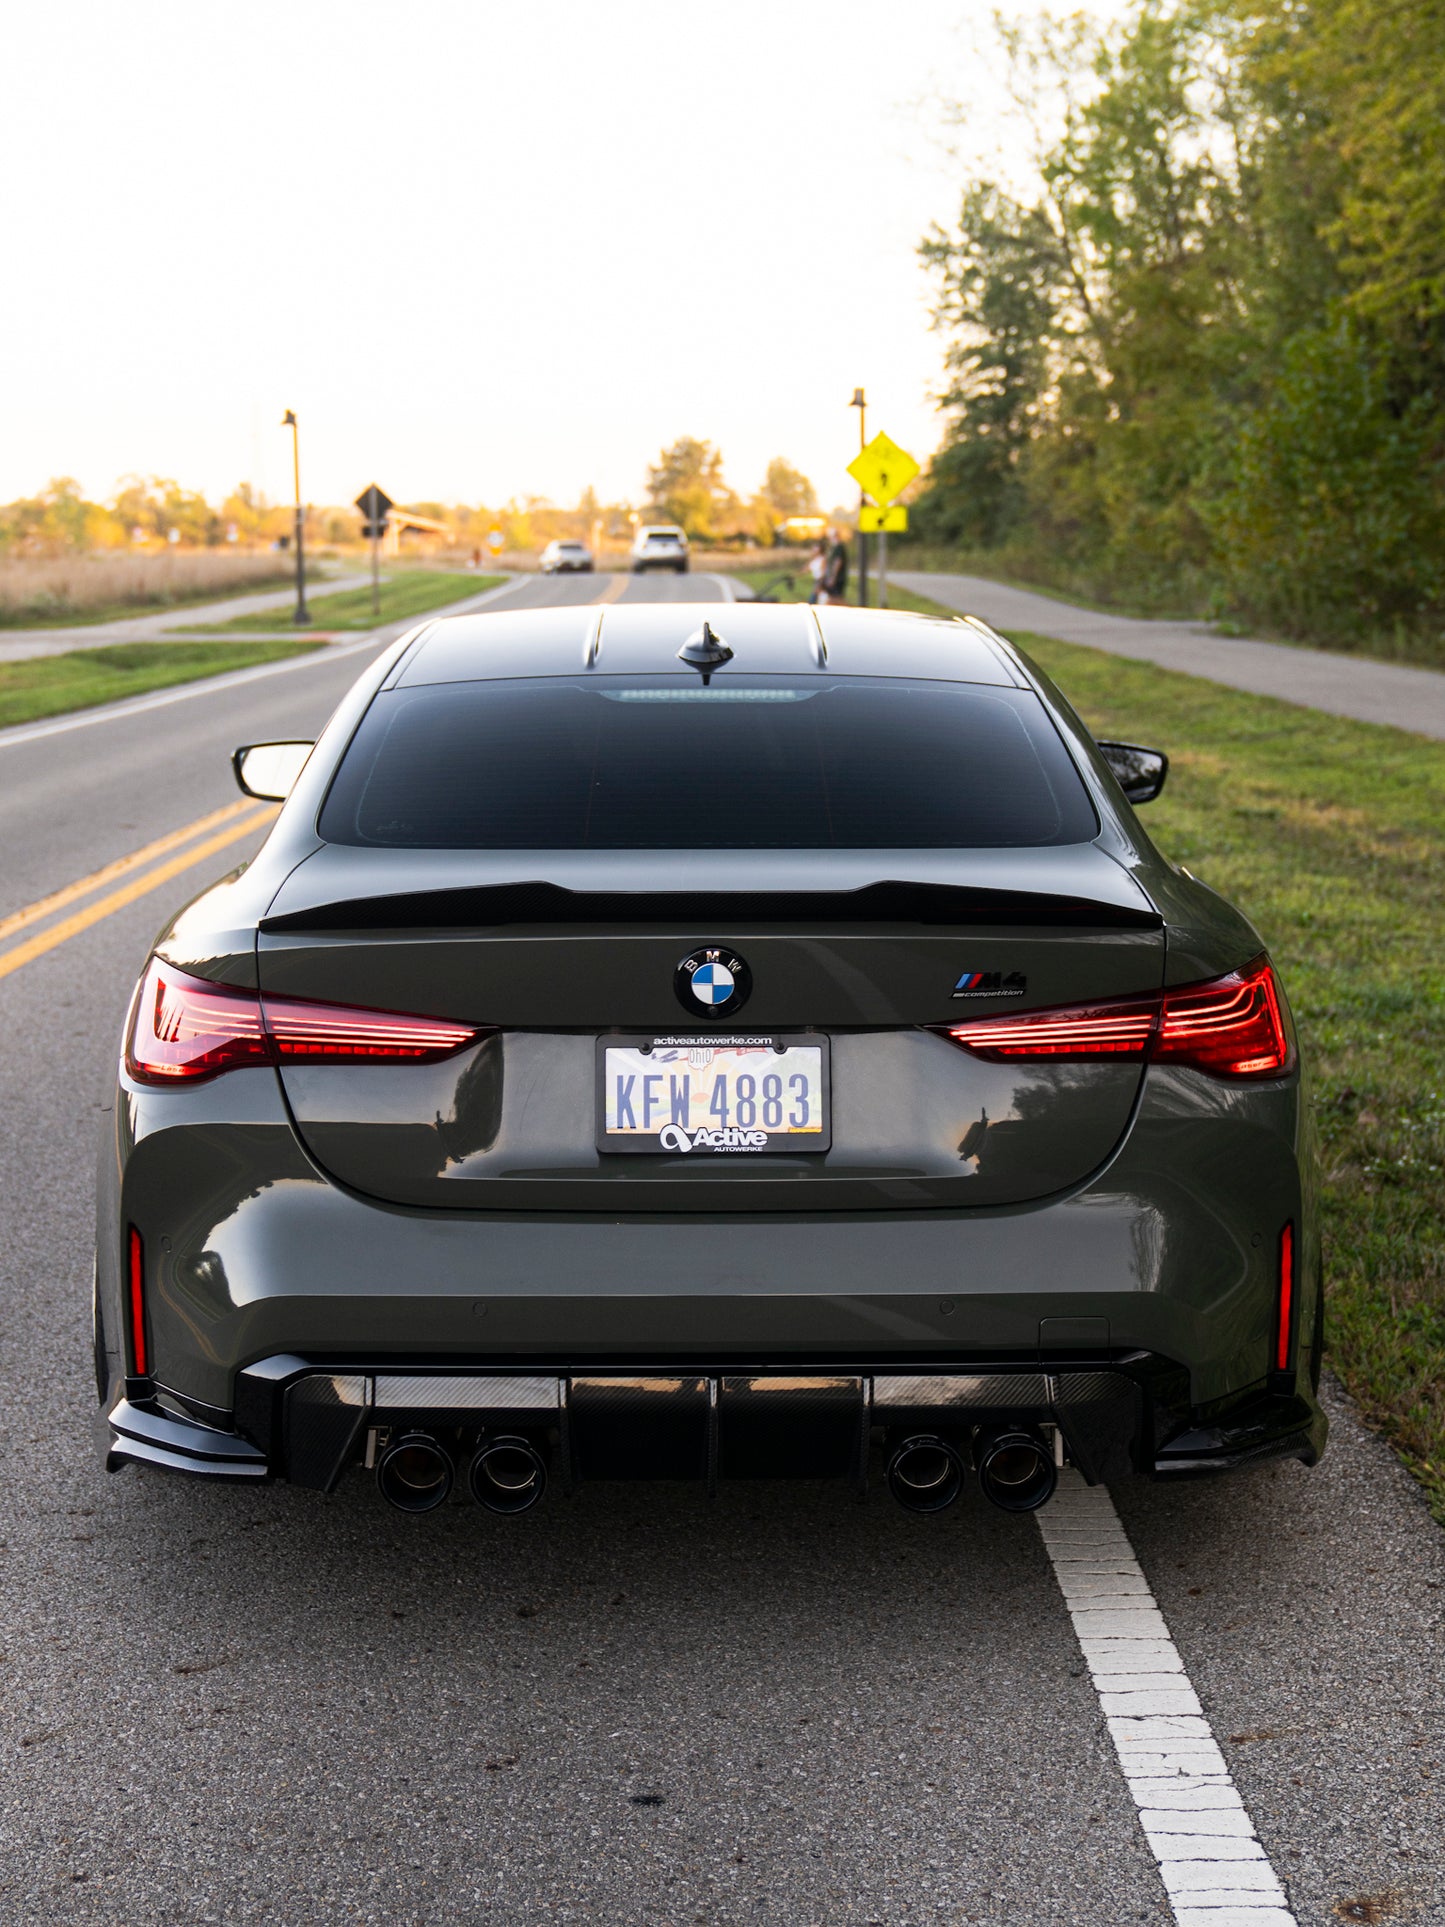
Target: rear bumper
[[308, 1420]]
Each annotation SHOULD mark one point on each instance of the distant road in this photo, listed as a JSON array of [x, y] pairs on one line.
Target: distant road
[[1355, 686]]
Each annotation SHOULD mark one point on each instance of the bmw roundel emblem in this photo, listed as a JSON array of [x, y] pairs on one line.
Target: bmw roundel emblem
[[712, 981]]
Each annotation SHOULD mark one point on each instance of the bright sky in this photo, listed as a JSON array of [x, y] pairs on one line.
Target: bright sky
[[484, 251]]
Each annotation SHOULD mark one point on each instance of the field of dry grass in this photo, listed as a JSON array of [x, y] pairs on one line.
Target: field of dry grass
[[36, 588]]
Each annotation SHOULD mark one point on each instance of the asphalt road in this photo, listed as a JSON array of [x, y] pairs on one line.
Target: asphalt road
[[244, 1706]]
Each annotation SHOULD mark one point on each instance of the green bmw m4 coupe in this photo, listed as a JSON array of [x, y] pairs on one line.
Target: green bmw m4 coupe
[[707, 1043]]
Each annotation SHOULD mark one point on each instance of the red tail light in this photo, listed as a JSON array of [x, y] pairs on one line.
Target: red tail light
[[1103, 1030], [1231, 1027], [1284, 1315], [185, 1028], [135, 1270]]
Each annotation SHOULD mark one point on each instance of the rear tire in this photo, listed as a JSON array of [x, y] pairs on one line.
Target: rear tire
[[97, 1339], [1317, 1339]]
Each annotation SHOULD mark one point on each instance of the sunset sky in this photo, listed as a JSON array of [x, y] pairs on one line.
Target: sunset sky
[[483, 251]]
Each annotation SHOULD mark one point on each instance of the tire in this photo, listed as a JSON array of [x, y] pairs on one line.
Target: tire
[[1317, 1339], [97, 1339], [681, 568]]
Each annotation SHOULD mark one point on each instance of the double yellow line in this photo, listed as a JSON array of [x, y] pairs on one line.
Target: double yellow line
[[216, 831]]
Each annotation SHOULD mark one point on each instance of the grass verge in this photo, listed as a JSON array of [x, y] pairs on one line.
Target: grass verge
[[413, 594], [43, 686], [1328, 834], [1180, 597]]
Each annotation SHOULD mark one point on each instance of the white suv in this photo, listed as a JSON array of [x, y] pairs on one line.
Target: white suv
[[663, 546]]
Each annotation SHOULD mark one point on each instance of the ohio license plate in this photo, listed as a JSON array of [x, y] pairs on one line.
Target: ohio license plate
[[713, 1096]]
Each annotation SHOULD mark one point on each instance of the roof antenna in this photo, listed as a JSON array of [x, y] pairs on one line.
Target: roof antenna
[[705, 651]]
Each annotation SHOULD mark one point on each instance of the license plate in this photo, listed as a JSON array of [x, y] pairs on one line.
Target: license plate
[[713, 1096]]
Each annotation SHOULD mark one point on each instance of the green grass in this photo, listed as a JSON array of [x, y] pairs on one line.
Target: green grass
[[1180, 596], [1329, 834], [415, 593], [49, 685]]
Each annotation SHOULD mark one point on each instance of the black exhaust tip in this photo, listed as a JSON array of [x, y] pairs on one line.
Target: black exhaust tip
[[925, 1474], [1015, 1468], [414, 1473], [507, 1475]]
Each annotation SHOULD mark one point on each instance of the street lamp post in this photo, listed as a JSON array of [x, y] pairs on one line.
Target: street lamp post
[[302, 618], [860, 402]]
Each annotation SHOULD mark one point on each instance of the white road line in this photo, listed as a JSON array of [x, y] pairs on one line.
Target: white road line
[[726, 588], [1215, 1872]]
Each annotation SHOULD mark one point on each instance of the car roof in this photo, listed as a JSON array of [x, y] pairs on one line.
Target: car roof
[[640, 638]]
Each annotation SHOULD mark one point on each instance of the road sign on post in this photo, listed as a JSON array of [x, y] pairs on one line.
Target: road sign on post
[[883, 470], [375, 505], [889, 521]]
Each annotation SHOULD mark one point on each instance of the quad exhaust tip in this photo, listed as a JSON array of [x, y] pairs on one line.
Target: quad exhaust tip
[[1015, 1467], [1016, 1470], [414, 1473], [507, 1475], [925, 1474]]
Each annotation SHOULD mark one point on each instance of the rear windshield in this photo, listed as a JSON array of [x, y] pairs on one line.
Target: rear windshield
[[654, 763]]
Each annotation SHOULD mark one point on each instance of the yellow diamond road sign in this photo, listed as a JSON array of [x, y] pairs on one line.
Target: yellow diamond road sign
[[889, 521], [883, 469]]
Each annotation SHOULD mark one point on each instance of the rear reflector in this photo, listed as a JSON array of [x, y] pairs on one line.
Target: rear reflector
[[135, 1270], [1284, 1316], [185, 1028], [1231, 1027]]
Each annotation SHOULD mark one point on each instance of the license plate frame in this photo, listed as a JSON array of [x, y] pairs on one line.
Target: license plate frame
[[736, 1140]]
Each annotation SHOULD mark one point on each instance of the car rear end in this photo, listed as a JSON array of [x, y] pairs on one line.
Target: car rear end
[[617, 1072], [660, 549]]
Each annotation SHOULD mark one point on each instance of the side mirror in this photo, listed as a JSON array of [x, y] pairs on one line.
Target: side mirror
[[268, 771], [1140, 772]]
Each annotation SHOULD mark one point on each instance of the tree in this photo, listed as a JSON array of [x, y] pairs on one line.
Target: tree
[[1208, 348], [57, 521], [787, 491], [687, 487]]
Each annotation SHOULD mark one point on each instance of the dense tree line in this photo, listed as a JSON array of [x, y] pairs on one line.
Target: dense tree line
[[1206, 357], [686, 485]]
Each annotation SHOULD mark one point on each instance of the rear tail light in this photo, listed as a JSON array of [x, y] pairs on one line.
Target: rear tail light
[[184, 1028], [135, 1277], [1232, 1027], [1284, 1313]]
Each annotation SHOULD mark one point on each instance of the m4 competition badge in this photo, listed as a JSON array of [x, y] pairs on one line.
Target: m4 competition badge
[[712, 982], [991, 983]]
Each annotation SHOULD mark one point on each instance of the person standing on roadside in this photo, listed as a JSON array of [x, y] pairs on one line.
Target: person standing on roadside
[[817, 565], [833, 587]]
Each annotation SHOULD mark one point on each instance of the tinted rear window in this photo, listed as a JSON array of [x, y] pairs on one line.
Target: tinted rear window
[[771, 763]]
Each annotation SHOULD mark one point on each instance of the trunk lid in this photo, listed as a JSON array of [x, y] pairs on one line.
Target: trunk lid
[[868, 956]]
